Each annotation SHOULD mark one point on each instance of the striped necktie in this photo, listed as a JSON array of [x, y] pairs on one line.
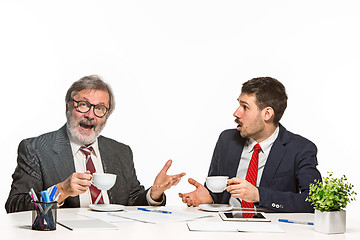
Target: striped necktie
[[96, 196], [251, 175]]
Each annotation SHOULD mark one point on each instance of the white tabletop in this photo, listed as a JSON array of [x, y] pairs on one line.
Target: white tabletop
[[18, 226]]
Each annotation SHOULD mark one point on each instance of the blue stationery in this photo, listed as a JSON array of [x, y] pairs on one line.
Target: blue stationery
[[153, 210], [295, 221], [45, 196], [43, 211], [52, 193]]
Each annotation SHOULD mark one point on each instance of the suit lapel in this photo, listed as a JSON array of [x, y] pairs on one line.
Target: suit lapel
[[276, 155], [63, 159], [236, 147], [106, 155]]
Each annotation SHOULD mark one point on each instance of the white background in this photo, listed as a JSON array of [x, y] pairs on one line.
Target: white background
[[176, 68]]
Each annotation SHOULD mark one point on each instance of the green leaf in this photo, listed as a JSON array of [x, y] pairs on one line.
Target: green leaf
[[332, 194]]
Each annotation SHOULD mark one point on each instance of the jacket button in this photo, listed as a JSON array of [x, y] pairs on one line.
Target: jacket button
[[273, 205]]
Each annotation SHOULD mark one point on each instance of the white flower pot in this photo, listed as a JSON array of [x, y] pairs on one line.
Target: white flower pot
[[330, 222]]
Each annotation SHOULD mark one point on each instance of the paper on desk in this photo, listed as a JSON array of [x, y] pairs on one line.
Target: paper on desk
[[155, 217], [211, 226], [104, 216], [91, 224], [257, 227], [233, 227]]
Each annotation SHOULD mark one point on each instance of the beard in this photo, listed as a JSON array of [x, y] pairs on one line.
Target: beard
[[251, 130], [81, 137]]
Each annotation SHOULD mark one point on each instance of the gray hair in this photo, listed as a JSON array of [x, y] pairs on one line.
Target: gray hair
[[92, 82]]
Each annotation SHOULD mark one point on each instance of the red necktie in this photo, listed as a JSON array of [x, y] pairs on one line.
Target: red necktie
[[96, 196], [251, 174]]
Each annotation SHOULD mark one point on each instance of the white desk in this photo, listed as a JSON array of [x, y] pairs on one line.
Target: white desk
[[18, 226]]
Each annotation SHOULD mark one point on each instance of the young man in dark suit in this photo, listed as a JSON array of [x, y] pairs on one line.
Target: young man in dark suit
[[60, 158], [285, 163]]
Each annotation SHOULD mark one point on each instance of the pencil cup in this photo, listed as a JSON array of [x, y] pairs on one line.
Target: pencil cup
[[44, 216]]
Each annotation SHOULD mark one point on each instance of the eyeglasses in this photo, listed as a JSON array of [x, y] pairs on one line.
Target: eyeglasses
[[84, 106]]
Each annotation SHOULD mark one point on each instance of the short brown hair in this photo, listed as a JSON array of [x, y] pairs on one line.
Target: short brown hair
[[269, 92]]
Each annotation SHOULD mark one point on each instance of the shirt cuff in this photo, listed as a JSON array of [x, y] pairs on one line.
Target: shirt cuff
[[152, 202]]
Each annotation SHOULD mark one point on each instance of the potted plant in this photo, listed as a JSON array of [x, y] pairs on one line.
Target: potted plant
[[329, 199]]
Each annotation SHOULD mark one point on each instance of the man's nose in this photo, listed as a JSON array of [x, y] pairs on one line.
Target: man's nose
[[90, 114], [237, 113]]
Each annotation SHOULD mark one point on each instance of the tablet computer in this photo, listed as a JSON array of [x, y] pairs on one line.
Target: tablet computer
[[244, 216]]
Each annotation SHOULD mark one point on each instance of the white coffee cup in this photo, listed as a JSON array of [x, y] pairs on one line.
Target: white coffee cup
[[103, 181], [216, 184]]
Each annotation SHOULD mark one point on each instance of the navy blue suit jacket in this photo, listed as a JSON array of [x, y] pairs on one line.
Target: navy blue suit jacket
[[289, 169]]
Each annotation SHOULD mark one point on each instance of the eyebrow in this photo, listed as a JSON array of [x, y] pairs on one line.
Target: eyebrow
[[100, 103], [243, 102]]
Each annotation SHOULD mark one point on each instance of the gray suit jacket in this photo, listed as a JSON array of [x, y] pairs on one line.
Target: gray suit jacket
[[47, 160]]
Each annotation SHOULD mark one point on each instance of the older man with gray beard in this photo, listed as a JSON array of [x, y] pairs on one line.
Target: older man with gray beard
[[61, 158]]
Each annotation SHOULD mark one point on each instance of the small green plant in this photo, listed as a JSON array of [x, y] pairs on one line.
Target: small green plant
[[333, 194]]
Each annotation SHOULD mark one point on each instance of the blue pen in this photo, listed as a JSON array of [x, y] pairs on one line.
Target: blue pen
[[295, 221], [52, 193], [154, 210], [45, 196]]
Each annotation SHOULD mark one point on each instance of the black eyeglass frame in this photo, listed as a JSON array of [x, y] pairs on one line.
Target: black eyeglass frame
[[91, 106]]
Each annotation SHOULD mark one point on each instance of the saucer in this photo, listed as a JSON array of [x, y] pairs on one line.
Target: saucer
[[215, 207], [106, 207]]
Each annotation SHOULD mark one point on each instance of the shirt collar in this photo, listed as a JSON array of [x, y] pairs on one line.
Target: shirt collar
[[75, 147], [266, 144]]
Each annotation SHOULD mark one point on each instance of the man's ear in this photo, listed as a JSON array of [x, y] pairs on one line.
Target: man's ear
[[268, 114]]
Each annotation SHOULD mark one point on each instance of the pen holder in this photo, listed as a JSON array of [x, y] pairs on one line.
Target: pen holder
[[44, 216]]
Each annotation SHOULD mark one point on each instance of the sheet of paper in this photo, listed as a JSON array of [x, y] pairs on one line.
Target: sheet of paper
[[233, 227], [91, 224], [155, 217], [104, 216], [211, 226], [257, 227]]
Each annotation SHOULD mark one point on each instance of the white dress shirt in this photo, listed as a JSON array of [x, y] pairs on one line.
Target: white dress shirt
[[246, 157], [80, 166]]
